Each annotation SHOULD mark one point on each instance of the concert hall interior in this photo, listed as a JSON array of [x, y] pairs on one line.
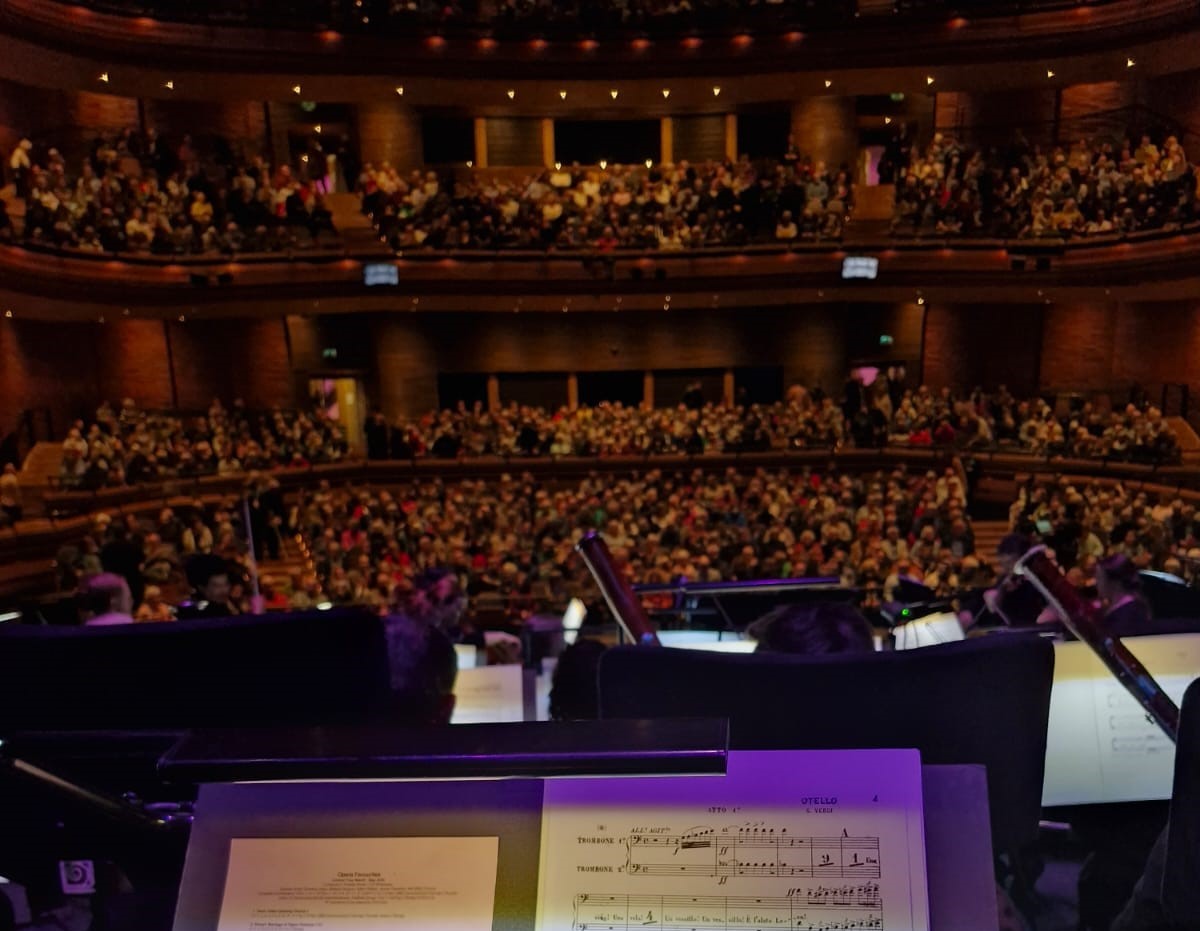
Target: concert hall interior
[[576, 464]]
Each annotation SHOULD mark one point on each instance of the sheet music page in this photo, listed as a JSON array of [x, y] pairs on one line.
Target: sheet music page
[[489, 695], [360, 884], [801, 840]]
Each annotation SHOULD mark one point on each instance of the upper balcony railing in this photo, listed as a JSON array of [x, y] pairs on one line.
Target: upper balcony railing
[[583, 40], [570, 19]]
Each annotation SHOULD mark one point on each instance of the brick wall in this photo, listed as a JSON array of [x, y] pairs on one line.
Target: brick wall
[[982, 344], [390, 131], [1077, 347], [230, 359], [826, 129], [242, 125], [65, 120], [132, 362], [991, 118], [46, 365]]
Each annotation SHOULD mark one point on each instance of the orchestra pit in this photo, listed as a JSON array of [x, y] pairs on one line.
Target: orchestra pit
[[547, 465]]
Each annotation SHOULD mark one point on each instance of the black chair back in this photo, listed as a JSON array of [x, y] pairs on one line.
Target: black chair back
[[985, 701], [268, 670], [1181, 892]]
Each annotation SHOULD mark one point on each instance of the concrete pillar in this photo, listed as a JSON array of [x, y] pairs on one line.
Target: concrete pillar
[[548, 142], [389, 131], [825, 129], [572, 392], [666, 135], [481, 152], [648, 389], [493, 393], [731, 151]]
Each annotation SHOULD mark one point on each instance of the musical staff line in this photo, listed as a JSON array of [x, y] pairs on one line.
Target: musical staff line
[[813, 909], [709, 853]]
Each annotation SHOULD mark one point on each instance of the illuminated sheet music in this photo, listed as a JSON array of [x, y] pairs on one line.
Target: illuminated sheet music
[[798, 840]]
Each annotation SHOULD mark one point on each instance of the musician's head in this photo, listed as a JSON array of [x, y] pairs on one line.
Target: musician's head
[[1010, 550], [423, 667], [209, 576], [1117, 576], [813, 629], [437, 598]]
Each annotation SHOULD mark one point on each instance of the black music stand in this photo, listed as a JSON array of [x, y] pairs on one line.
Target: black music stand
[[984, 701]]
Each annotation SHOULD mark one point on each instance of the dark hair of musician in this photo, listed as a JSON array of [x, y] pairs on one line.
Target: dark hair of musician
[[813, 630], [423, 668], [575, 692], [1121, 573], [1015, 545]]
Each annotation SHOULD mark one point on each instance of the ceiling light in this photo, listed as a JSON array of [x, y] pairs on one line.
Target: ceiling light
[[666, 92], [649, 163], [103, 77], [511, 93], [182, 318], [170, 85], [400, 91], [317, 129], [558, 166], [887, 121], [920, 302], [828, 83], [928, 79], [8, 314], [304, 158], [716, 92], [614, 93], [1049, 73], [295, 88], [562, 95], [470, 163], [603, 164], [1129, 62]]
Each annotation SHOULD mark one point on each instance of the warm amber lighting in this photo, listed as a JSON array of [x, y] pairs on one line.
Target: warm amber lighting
[[649, 163], [487, 44], [1049, 73], [887, 121], [666, 92], [603, 164], [470, 163], [8, 314], [1129, 62], [317, 129], [929, 79], [716, 92], [828, 83], [614, 93], [562, 95], [511, 93], [169, 85], [295, 88], [103, 77], [400, 91]]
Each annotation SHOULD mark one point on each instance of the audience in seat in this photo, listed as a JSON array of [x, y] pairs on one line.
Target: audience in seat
[[1093, 523], [131, 446], [106, 601], [1104, 188], [668, 208], [138, 194]]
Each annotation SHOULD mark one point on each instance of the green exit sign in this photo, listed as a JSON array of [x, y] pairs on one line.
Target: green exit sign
[[886, 339], [329, 353]]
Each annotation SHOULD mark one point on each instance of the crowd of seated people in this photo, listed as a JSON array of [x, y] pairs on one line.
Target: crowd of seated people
[[512, 540], [1086, 521], [137, 193], [668, 207], [866, 416], [129, 446], [1102, 188]]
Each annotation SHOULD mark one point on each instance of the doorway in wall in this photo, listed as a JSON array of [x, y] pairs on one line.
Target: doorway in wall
[[341, 399]]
